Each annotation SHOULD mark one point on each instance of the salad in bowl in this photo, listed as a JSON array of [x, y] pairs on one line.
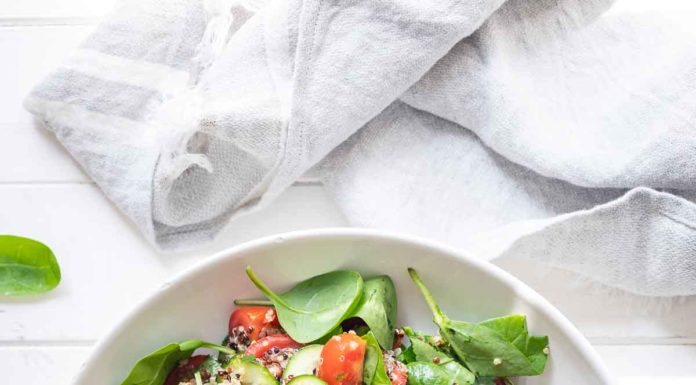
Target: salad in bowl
[[340, 328]]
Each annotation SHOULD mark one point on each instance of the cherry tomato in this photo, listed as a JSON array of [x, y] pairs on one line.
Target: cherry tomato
[[184, 372], [397, 371], [254, 319], [342, 360], [259, 347]]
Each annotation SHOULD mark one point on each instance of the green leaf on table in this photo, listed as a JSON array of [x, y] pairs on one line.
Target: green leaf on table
[[374, 371], [499, 347], [316, 306], [26, 266], [154, 367], [377, 308], [425, 352]]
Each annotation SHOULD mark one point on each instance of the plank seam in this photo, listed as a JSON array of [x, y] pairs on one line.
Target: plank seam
[[21, 21], [34, 183], [47, 343]]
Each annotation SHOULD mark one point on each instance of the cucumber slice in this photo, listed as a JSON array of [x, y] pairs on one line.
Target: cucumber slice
[[306, 379], [250, 372], [303, 362]]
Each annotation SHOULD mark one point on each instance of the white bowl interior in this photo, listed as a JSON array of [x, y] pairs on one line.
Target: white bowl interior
[[197, 304]]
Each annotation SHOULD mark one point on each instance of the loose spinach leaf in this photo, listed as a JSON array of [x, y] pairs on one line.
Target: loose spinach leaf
[[425, 352], [154, 367], [377, 308], [26, 266], [500, 347], [374, 372], [316, 306]]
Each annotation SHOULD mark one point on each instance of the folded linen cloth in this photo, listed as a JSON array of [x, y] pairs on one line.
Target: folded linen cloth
[[510, 128]]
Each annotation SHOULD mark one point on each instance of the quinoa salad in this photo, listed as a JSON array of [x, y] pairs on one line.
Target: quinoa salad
[[339, 328]]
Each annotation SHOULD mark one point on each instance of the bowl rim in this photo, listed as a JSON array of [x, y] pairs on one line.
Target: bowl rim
[[519, 288]]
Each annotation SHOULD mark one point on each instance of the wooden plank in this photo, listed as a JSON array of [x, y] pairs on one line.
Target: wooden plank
[[99, 251], [31, 10], [55, 365]]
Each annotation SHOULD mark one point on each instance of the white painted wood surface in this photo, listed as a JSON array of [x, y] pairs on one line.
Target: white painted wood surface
[[107, 265]]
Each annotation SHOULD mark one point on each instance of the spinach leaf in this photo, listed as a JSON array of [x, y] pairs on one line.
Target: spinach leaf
[[154, 367], [492, 381], [500, 347], [407, 355], [323, 340], [428, 373], [377, 308], [316, 306], [425, 352], [374, 372], [26, 266]]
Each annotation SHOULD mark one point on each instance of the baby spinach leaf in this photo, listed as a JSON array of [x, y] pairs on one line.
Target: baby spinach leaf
[[154, 367], [425, 352], [316, 306], [26, 266], [428, 373], [377, 308], [500, 347], [374, 372], [407, 355], [492, 381], [321, 341]]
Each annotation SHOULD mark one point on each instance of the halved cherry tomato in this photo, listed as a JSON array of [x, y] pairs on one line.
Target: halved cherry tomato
[[342, 360], [254, 319], [259, 347], [184, 372], [397, 371]]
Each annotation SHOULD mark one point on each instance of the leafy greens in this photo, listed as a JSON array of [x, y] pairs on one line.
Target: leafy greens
[[26, 266], [154, 367], [425, 352], [316, 306], [499, 347], [377, 308], [374, 371]]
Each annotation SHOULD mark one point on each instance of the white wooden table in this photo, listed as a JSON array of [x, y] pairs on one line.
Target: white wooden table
[[107, 266]]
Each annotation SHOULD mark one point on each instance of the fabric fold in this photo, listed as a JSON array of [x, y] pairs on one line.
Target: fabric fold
[[537, 129]]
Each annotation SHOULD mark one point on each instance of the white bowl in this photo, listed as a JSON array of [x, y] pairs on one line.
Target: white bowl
[[197, 303]]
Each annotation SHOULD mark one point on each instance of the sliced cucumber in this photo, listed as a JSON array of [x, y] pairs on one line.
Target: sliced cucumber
[[303, 362], [250, 372], [306, 379]]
